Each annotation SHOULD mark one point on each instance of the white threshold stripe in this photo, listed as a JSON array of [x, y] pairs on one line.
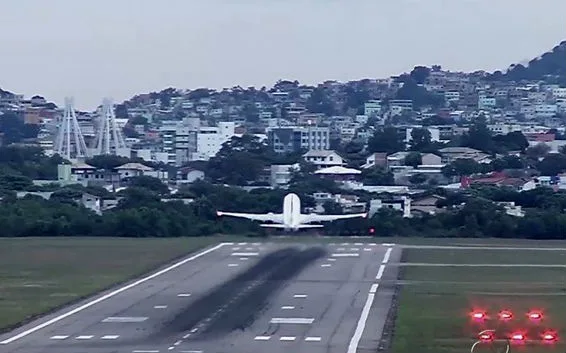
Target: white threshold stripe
[[245, 254], [346, 255], [84, 337], [59, 337], [291, 320], [300, 296], [313, 339], [262, 338], [142, 351], [287, 307], [124, 319], [109, 337], [288, 338], [184, 294], [232, 265], [160, 307], [110, 295], [325, 265]]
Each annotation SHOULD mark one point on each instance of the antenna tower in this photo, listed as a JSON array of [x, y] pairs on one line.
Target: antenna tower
[[70, 143], [109, 138]]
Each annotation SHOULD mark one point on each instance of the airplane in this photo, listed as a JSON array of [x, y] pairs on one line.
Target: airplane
[[291, 219]]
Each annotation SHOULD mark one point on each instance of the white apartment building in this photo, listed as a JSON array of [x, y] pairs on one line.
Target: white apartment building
[[434, 133], [504, 129], [372, 107], [452, 96], [559, 92], [485, 102], [210, 139], [398, 106], [546, 110]]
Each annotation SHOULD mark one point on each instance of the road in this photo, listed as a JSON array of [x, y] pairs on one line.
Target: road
[[233, 297]]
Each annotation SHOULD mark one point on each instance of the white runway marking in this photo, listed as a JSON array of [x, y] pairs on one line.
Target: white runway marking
[[380, 272], [142, 351], [313, 339], [110, 295], [287, 307], [346, 255], [358, 244], [236, 248], [184, 294], [387, 244], [373, 288], [354, 249], [242, 243], [373, 244], [109, 337], [340, 249], [325, 265], [160, 307], [355, 341], [287, 338], [262, 338], [300, 296], [256, 244], [345, 244], [243, 258], [387, 255], [190, 351], [245, 254], [232, 265], [331, 259], [367, 249], [292, 320], [84, 337], [249, 249], [59, 337], [124, 319]]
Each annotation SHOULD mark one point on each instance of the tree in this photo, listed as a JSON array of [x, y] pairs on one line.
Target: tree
[[552, 164], [461, 167], [386, 140], [420, 74], [332, 207], [421, 140], [479, 136], [537, 151], [149, 183], [319, 102], [418, 178], [377, 176], [413, 159]]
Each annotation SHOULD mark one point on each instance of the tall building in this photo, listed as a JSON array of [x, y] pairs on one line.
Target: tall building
[[210, 139], [295, 139]]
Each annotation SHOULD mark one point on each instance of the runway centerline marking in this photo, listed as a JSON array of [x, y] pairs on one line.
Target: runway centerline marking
[[287, 338], [142, 351], [367, 249], [354, 249], [160, 307], [124, 319], [184, 294], [360, 327], [59, 337], [387, 255], [245, 254], [292, 320], [358, 244], [341, 249], [236, 248], [325, 265], [313, 339], [287, 307], [110, 295], [243, 258], [300, 296], [262, 338], [84, 337], [232, 265], [380, 272]]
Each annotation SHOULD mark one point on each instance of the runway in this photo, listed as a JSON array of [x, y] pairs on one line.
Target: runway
[[237, 298]]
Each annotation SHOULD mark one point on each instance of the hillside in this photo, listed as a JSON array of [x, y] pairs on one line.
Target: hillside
[[551, 67]]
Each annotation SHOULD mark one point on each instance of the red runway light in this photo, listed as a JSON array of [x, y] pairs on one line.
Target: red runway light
[[486, 336], [549, 337], [535, 315], [518, 337], [505, 315], [478, 315]]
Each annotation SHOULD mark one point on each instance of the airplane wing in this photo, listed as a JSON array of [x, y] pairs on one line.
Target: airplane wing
[[313, 217], [266, 217]]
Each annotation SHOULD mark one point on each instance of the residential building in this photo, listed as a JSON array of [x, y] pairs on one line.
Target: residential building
[[295, 139], [210, 139], [324, 159], [281, 174]]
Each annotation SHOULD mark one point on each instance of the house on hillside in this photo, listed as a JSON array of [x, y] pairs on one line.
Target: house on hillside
[[324, 158]]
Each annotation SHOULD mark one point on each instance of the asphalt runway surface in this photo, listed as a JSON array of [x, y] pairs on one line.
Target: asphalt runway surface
[[233, 298]]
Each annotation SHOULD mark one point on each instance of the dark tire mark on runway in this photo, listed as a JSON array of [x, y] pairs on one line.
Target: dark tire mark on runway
[[243, 312], [205, 306]]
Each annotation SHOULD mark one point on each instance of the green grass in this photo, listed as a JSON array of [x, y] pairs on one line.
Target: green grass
[[435, 302], [39, 274]]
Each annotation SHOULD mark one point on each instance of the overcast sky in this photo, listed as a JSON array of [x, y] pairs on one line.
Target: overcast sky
[[92, 49]]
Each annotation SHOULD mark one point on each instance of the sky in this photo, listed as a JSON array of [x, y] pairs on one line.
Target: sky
[[118, 48]]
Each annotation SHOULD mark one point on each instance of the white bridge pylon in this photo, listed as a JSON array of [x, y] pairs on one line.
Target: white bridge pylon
[[70, 143]]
